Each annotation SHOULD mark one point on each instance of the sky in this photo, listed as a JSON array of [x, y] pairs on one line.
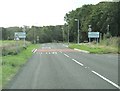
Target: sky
[[37, 12]]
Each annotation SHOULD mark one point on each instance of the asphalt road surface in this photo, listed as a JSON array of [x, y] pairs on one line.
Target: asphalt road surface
[[54, 66]]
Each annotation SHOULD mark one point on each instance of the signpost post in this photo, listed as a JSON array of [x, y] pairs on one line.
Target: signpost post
[[93, 34], [18, 36], [89, 29]]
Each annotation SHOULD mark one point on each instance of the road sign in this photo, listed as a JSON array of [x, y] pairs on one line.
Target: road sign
[[93, 34], [20, 34]]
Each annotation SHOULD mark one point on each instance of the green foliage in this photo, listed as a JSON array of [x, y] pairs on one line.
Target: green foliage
[[112, 41], [99, 16], [12, 63], [35, 34], [12, 47], [95, 48]]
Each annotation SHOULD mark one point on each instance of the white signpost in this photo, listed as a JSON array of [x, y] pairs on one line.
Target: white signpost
[[21, 35], [93, 35]]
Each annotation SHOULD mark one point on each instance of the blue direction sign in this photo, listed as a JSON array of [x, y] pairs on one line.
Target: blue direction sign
[[20, 34], [93, 34]]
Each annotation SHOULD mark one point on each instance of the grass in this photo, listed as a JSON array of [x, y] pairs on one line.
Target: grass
[[12, 63], [0, 66], [106, 46], [12, 47]]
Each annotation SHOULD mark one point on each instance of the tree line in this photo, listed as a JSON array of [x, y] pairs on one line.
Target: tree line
[[34, 34], [99, 16]]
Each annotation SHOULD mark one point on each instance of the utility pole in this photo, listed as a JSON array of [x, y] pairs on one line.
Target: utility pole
[[24, 28], [68, 35], [33, 34], [78, 37], [89, 30], [63, 33]]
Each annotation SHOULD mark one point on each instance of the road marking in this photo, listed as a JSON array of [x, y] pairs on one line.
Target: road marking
[[60, 51], [106, 79], [65, 45], [81, 50], [55, 52], [35, 51], [49, 47], [66, 55], [77, 62]]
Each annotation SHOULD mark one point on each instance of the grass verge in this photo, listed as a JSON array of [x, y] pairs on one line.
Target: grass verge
[[12, 63], [12, 47], [93, 48]]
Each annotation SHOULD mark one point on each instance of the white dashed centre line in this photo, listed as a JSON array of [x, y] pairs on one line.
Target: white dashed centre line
[[112, 83], [77, 62], [66, 55], [106, 79]]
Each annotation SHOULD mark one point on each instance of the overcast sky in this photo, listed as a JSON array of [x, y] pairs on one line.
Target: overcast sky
[[37, 12]]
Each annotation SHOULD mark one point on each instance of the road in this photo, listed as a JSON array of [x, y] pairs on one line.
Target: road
[[54, 66]]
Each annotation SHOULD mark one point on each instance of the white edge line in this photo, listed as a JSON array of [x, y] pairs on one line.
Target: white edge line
[[66, 55], [106, 79], [77, 62], [81, 50]]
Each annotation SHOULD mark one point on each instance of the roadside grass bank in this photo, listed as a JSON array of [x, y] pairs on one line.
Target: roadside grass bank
[[105, 47], [0, 67], [12, 63], [12, 47]]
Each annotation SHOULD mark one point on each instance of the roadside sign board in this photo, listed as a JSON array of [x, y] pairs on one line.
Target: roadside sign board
[[93, 34], [20, 34]]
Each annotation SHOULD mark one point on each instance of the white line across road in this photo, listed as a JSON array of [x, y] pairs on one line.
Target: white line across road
[[106, 79], [77, 62]]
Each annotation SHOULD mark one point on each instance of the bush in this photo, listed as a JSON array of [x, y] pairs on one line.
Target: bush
[[10, 47]]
